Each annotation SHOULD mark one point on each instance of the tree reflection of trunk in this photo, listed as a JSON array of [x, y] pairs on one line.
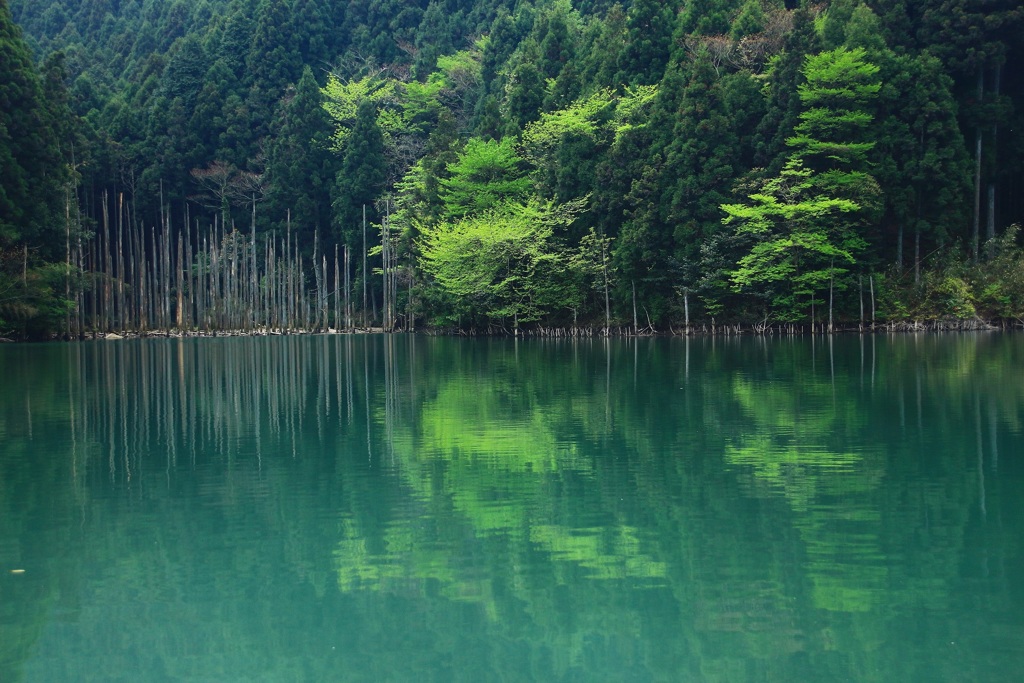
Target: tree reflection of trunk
[[981, 456], [366, 396]]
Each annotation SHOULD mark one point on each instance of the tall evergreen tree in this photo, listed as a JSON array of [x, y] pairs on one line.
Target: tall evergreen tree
[[648, 36], [362, 175], [31, 169], [299, 166]]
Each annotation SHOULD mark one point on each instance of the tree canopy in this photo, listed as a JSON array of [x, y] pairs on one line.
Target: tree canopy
[[756, 153]]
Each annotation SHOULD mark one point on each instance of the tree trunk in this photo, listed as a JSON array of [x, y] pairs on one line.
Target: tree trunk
[[636, 328], [975, 223]]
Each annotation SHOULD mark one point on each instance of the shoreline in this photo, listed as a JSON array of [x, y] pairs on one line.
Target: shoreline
[[705, 329]]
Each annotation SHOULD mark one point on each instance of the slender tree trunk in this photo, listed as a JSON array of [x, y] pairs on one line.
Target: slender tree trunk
[[831, 278], [636, 326], [899, 247], [917, 245], [67, 262], [975, 224], [990, 222], [860, 286], [121, 322], [686, 308], [348, 290], [871, 283], [337, 272], [607, 300], [365, 278]]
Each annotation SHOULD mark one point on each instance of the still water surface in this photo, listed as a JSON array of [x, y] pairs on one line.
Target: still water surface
[[430, 509]]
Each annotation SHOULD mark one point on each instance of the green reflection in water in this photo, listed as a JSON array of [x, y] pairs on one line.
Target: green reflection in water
[[400, 508]]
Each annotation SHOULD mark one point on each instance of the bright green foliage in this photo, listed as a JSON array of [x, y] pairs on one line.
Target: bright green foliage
[[486, 174], [590, 275], [660, 112], [803, 222], [342, 101], [501, 263], [541, 137], [839, 86], [794, 253]]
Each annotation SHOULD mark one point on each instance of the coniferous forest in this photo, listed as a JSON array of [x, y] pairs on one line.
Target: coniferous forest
[[507, 165]]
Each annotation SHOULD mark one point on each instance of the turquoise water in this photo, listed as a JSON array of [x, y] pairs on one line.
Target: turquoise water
[[422, 509]]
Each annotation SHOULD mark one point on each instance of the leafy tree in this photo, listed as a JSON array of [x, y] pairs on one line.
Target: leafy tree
[[804, 222], [486, 174], [749, 21], [524, 96], [707, 17], [500, 264]]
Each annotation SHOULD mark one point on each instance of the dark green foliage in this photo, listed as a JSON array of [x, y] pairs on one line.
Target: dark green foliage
[[126, 99], [706, 17], [32, 168], [783, 104], [361, 178], [37, 136], [300, 167], [648, 33]]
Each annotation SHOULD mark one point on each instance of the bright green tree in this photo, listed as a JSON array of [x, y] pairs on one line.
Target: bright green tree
[[500, 265], [803, 224], [486, 174]]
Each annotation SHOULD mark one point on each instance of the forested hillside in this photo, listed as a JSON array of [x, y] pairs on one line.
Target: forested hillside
[[500, 164]]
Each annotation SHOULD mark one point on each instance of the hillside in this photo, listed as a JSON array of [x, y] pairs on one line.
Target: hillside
[[644, 164]]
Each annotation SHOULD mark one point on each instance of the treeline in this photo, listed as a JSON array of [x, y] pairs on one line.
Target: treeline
[[500, 165]]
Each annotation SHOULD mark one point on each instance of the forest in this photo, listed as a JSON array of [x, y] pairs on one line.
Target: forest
[[509, 166]]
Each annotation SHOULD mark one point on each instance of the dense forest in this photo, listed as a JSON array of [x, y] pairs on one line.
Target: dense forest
[[503, 165]]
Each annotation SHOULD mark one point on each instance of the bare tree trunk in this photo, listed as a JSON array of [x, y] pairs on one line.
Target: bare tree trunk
[[67, 262], [120, 263], [607, 304], [348, 291], [831, 277], [975, 224], [636, 328], [365, 278], [990, 222], [337, 272], [686, 308], [871, 283], [860, 285]]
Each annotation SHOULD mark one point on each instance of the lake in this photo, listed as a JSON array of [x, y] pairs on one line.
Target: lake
[[410, 508]]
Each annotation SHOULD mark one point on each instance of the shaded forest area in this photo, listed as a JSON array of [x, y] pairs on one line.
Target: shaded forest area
[[503, 165]]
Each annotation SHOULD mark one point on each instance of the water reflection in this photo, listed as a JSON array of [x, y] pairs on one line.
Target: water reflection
[[371, 508]]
